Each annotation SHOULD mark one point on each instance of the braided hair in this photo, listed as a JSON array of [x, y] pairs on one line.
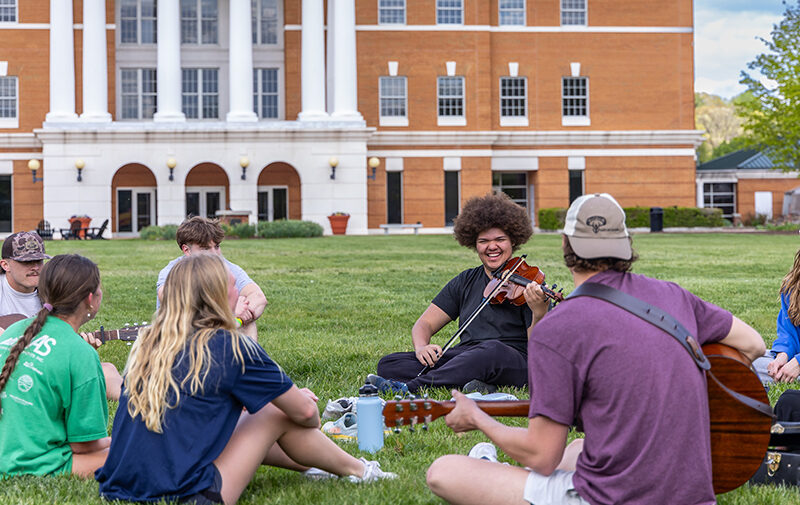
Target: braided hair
[[64, 282]]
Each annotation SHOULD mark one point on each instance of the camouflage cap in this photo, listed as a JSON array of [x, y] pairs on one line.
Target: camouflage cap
[[24, 246]]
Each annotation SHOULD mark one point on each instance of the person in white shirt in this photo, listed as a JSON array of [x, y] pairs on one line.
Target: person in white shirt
[[22, 258]]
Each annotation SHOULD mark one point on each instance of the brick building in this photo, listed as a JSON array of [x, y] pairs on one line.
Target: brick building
[[142, 112]]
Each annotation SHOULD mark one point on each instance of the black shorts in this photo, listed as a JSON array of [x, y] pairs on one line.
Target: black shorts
[[210, 496]]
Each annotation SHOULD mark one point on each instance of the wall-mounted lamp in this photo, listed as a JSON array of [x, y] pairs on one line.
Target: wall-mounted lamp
[[333, 162], [33, 166], [373, 164], [171, 164], [244, 162], [79, 164]]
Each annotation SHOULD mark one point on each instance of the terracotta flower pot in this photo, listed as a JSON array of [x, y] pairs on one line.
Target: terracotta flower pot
[[338, 224], [85, 222]]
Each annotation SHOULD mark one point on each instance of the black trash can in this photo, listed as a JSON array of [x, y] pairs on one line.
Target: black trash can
[[656, 219]]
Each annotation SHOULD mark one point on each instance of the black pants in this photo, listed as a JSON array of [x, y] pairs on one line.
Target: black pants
[[490, 361]]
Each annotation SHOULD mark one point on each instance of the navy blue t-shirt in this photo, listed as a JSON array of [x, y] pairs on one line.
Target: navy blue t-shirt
[[146, 466], [505, 322]]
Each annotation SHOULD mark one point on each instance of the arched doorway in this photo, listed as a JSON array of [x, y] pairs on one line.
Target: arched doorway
[[279, 192], [133, 199], [207, 190]]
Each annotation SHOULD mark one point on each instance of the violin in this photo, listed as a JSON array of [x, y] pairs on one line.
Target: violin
[[513, 287]]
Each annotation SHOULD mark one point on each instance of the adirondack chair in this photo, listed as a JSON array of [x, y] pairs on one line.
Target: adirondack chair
[[73, 232], [95, 233], [44, 230]]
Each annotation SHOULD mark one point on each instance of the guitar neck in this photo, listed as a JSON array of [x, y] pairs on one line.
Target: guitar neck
[[509, 408], [410, 412]]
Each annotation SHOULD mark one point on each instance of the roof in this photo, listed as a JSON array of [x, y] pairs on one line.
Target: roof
[[743, 159]]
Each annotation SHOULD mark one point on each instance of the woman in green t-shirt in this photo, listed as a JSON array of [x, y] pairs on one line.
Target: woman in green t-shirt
[[52, 375]]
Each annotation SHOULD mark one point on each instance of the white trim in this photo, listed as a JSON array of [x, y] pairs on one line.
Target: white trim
[[393, 68], [451, 164], [8, 122], [575, 121], [576, 163], [451, 121], [536, 138], [392, 121], [513, 69], [513, 121], [3, 69], [575, 69], [517, 29], [6, 167], [544, 153], [394, 164], [451, 68], [512, 164], [734, 175]]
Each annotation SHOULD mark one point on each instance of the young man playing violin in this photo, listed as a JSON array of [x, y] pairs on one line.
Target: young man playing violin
[[493, 349], [629, 386]]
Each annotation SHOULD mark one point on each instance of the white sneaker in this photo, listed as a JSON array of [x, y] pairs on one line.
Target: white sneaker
[[372, 472], [484, 450], [315, 473]]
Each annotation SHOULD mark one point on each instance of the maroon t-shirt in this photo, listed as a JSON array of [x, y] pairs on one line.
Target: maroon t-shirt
[[633, 389]]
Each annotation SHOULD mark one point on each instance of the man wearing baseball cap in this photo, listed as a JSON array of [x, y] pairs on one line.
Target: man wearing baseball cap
[[629, 386], [22, 258]]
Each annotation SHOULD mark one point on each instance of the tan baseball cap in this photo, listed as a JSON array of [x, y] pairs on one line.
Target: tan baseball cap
[[595, 227]]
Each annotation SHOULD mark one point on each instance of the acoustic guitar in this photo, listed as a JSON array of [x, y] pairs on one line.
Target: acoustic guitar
[[740, 434], [126, 334]]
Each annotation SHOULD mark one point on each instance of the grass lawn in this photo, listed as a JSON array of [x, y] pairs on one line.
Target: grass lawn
[[337, 304]]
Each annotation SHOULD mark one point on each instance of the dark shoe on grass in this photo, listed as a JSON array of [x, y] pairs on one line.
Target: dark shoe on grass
[[479, 386]]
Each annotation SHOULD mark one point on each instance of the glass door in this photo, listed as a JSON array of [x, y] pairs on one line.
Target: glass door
[[136, 209]]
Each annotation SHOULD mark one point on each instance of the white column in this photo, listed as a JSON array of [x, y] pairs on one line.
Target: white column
[[345, 96], [95, 66], [168, 69], [331, 51], [240, 55], [312, 64], [62, 63]]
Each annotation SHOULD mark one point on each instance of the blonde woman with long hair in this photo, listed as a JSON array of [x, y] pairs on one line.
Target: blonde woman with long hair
[[53, 410], [180, 432], [786, 348]]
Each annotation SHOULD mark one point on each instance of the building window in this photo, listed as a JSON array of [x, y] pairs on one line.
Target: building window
[[573, 12], [720, 195], [8, 14], [199, 20], [273, 203], [137, 22], [265, 21], [394, 197], [574, 101], [9, 117], [511, 13], [265, 93], [514, 184], [513, 101], [449, 12], [200, 93], [204, 200], [138, 93], [391, 12], [452, 196], [135, 209], [393, 101], [6, 210], [575, 185], [450, 95]]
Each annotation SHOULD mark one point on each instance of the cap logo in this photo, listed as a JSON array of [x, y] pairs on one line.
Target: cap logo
[[596, 222], [31, 245]]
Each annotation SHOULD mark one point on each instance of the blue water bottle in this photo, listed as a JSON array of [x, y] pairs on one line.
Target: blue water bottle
[[370, 419]]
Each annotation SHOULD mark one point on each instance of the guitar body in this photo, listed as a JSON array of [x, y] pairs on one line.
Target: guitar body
[[739, 434]]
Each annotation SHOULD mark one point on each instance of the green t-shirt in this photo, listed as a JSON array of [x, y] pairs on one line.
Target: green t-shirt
[[56, 395]]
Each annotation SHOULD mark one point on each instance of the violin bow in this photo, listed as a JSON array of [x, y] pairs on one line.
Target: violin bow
[[507, 275]]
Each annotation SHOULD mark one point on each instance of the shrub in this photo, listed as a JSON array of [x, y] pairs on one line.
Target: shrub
[[286, 228], [166, 232], [637, 217], [242, 230], [552, 219], [692, 217]]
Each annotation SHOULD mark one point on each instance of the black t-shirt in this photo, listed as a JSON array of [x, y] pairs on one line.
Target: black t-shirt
[[505, 322]]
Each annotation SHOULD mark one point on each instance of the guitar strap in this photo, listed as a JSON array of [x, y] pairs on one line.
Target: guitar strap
[[670, 325]]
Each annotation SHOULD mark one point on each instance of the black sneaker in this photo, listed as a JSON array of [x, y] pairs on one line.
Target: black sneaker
[[479, 386]]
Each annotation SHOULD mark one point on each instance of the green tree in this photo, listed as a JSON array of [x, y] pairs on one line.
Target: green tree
[[717, 117], [772, 116]]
